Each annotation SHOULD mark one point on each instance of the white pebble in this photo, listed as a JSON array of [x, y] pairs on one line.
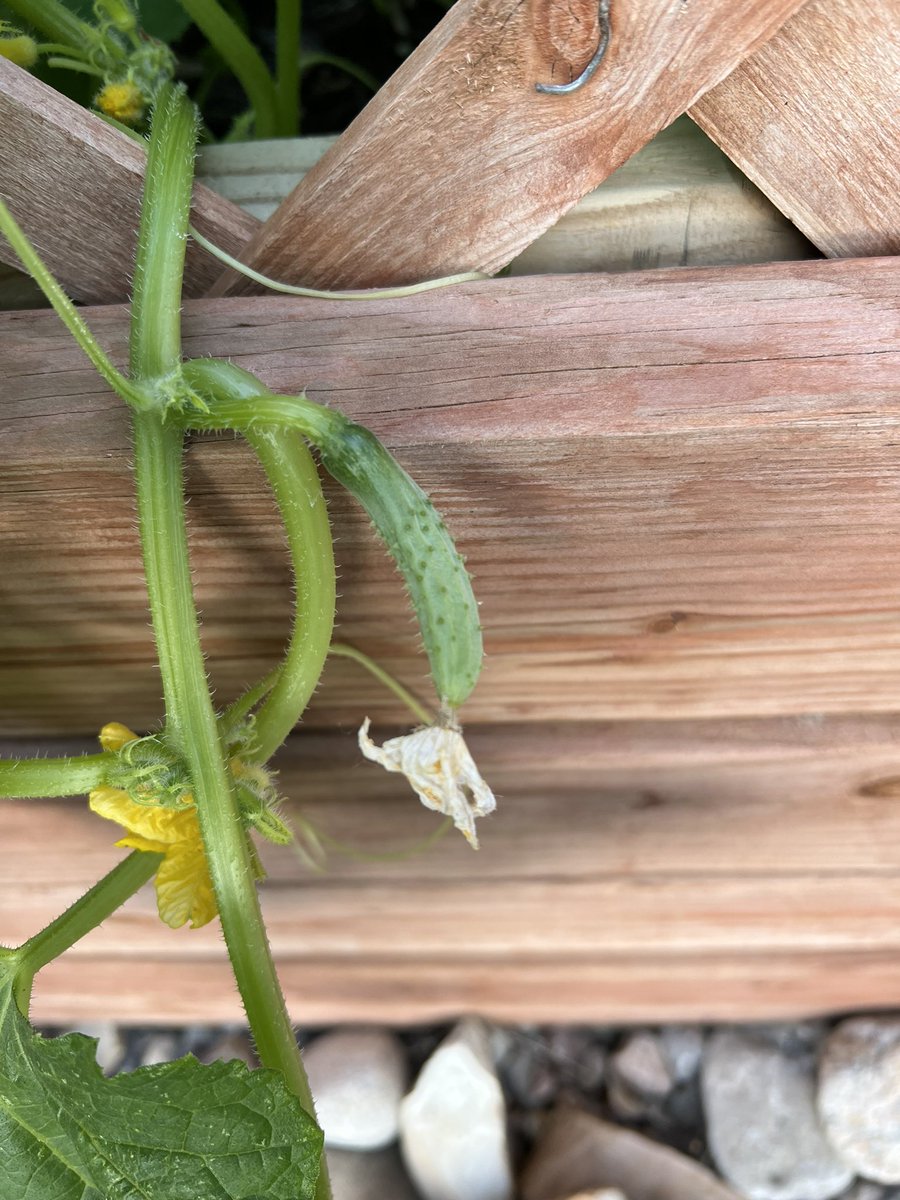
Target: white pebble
[[357, 1077], [859, 1095], [453, 1122]]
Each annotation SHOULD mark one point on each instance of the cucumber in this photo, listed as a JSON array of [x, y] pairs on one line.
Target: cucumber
[[412, 530]]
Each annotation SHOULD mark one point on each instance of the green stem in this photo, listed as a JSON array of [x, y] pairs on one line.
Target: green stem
[[67, 311], [155, 345], [287, 65], [342, 650], [73, 64], [242, 58], [294, 480], [293, 289], [238, 711], [191, 725], [33, 777], [245, 412], [190, 717], [80, 918]]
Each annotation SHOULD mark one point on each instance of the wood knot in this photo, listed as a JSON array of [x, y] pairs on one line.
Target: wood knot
[[667, 623], [566, 37], [882, 789]]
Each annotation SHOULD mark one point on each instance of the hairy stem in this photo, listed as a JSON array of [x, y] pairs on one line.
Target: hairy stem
[[293, 477], [66, 310], [191, 724], [80, 918], [33, 777], [155, 342]]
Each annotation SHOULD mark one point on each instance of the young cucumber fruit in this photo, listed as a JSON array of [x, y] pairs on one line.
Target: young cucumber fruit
[[408, 523]]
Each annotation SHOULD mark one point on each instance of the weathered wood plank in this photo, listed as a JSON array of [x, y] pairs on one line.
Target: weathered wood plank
[[74, 184], [458, 163], [677, 490], [618, 989], [746, 798], [812, 118], [592, 918], [633, 871], [677, 202]]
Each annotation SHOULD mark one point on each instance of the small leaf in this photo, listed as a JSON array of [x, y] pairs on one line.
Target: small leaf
[[164, 19], [174, 1131]]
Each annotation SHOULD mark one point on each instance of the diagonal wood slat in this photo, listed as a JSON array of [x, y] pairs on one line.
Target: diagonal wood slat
[[813, 119], [74, 184], [459, 164]]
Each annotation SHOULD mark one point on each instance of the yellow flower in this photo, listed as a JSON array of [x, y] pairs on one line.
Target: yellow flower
[[437, 763], [184, 890], [123, 102]]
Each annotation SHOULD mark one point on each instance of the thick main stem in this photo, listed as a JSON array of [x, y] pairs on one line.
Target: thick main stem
[[191, 724]]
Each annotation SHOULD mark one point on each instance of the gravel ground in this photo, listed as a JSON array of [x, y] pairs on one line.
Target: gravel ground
[[479, 1111]]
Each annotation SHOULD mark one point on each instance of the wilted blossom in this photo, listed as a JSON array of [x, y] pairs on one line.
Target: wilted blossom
[[438, 765]]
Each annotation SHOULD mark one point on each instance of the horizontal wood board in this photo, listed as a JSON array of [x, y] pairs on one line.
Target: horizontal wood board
[[678, 492], [633, 871], [813, 118]]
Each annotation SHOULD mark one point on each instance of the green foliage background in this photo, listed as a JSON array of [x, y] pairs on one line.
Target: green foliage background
[[372, 37]]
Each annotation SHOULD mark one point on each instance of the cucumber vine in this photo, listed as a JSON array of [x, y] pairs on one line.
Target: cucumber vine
[[189, 794]]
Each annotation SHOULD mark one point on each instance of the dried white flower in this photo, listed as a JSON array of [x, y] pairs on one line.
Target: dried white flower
[[438, 765]]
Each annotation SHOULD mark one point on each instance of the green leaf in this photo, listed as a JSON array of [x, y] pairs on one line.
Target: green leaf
[[164, 19], [177, 1131]]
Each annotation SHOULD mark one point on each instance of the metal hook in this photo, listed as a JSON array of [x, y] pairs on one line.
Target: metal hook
[[562, 89]]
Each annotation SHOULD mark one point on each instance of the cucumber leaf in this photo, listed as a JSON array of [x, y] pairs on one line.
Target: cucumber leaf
[[176, 1131]]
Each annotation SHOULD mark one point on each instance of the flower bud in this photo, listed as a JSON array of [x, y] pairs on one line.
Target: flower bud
[[21, 50], [122, 101]]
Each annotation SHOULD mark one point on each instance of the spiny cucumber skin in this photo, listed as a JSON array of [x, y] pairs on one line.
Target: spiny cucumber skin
[[439, 586], [416, 538]]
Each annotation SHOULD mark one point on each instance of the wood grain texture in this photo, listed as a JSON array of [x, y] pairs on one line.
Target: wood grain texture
[[74, 184], [678, 492], [814, 120], [613, 989], [458, 163], [677, 202], [633, 871]]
